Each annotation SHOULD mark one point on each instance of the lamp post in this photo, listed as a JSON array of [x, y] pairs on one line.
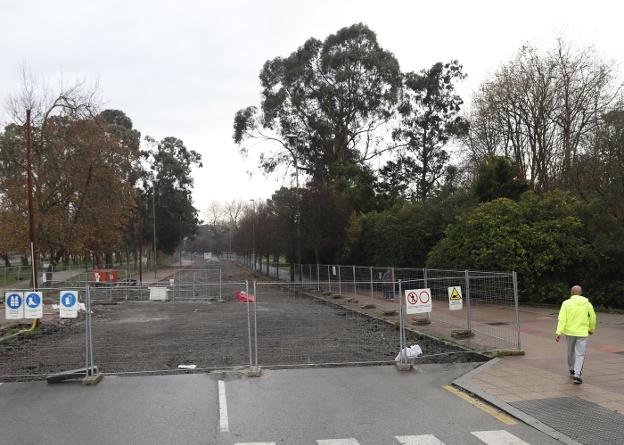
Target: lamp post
[[253, 233]]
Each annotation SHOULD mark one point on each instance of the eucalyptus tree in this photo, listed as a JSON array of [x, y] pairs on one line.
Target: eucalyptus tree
[[333, 96], [429, 118]]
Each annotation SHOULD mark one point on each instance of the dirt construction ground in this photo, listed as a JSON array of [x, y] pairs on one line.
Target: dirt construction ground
[[201, 328]]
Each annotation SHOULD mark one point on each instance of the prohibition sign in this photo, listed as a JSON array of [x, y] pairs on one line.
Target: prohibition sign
[[424, 296], [411, 297]]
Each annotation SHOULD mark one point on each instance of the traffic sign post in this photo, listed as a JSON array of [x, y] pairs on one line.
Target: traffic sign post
[[33, 307], [68, 307], [13, 305], [455, 298], [418, 301]]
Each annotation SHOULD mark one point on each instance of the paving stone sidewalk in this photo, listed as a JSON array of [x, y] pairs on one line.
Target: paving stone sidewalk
[[538, 384]]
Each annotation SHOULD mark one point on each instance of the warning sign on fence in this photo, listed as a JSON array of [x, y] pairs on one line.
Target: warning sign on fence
[[455, 298], [418, 301]]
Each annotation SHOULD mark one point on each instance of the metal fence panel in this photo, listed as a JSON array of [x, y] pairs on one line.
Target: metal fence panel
[[132, 333], [58, 344], [297, 328], [490, 309]]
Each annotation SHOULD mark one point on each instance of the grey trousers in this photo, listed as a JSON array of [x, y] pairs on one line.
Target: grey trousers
[[576, 346]]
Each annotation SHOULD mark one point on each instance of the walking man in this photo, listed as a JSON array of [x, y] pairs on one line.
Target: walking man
[[577, 320]]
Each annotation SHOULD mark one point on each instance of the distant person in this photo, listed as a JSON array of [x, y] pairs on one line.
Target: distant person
[[577, 320], [388, 280]]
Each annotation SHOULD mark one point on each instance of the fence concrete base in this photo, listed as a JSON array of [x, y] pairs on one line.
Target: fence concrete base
[[403, 366], [92, 379]]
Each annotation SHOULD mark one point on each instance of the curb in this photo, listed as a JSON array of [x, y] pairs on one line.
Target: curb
[[504, 406]]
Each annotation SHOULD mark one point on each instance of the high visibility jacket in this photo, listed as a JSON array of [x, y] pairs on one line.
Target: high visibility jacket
[[576, 317]]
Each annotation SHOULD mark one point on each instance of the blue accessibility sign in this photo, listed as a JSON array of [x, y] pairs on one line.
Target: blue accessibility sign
[[14, 301], [68, 299], [33, 300]]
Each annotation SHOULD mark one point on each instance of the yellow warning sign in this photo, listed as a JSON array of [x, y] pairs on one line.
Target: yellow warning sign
[[455, 298], [455, 295]]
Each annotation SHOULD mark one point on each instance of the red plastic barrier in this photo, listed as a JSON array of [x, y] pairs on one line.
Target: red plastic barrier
[[242, 296]]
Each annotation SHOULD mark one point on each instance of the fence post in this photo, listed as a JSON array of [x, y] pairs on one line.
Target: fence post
[[318, 277], [329, 277], [255, 322], [309, 276], [371, 282], [468, 314], [515, 290], [87, 355], [220, 286], [249, 322], [401, 326], [339, 281], [426, 281], [354, 283]]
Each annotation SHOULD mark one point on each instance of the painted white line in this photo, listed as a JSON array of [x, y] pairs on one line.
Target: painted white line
[[254, 443], [349, 441], [223, 414], [499, 437], [423, 439]]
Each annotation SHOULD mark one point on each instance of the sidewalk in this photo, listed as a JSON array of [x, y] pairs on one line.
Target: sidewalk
[[539, 386]]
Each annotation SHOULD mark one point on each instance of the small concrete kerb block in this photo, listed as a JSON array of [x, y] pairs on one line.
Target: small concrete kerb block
[[253, 371], [326, 293], [92, 379], [461, 333], [421, 321], [403, 366], [389, 312], [369, 306]]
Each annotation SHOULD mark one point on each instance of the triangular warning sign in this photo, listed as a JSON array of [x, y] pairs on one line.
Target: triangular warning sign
[[455, 295]]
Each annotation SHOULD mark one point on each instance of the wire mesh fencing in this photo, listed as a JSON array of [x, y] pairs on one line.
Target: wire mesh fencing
[[156, 332], [58, 344], [197, 284], [488, 312]]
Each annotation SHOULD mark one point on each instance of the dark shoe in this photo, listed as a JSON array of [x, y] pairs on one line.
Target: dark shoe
[[571, 372], [577, 380]]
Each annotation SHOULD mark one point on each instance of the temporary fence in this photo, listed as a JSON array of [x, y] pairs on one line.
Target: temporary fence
[[138, 329], [489, 299]]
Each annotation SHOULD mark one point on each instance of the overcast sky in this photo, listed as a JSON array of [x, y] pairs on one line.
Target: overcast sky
[[183, 68]]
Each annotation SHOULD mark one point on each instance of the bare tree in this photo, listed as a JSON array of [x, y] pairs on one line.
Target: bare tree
[[540, 110], [233, 211], [214, 213]]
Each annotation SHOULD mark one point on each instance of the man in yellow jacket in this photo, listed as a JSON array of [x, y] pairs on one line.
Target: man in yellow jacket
[[577, 320]]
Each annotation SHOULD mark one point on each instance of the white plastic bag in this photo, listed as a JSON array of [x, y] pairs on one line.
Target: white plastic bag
[[409, 353]]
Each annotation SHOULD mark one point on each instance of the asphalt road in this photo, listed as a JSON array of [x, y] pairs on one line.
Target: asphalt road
[[370, 405]]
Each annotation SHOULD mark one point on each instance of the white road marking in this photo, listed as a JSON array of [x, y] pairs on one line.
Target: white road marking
[[499, 437], [350, 441], [254, 443], [223, 414], [423, 439]]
